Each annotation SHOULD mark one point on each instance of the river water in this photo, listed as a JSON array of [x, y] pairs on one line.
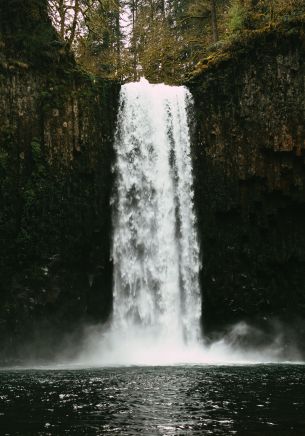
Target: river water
[[176, 400]]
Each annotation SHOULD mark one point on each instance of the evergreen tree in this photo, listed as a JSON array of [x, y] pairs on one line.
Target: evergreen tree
[[66, 15], [99, 47], [161, 39]]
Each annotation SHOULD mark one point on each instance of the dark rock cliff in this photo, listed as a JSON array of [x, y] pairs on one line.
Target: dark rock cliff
[[56, 153], [249, 166]]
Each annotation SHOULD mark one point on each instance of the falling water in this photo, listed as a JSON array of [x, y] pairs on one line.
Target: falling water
[[157, 304], [155, 246]]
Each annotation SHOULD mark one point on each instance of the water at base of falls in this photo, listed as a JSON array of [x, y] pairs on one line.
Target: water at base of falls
[[154, 401]]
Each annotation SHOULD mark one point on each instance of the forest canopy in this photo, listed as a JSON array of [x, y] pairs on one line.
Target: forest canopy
[[161, 39]]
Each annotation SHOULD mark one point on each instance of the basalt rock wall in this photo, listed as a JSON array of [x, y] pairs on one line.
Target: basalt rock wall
[[249, 168], [56, 152]]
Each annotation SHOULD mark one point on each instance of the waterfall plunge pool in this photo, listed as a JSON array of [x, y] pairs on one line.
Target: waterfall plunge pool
[[177, 400]]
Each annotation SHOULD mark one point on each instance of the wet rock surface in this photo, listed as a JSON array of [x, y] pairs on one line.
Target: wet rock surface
[[248, 154], [56, 154]]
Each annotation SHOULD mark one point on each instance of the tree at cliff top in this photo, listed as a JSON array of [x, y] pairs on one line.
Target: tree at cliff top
[[126, 38], [66, 16], [258, 14], [152, 42], [167, 35], [172, 36], [161, 39], [92, 29], [100, 47]]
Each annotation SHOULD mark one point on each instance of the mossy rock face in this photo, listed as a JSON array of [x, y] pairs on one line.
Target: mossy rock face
[[56, 155], [232, 50], [248, 153], [28, 38]]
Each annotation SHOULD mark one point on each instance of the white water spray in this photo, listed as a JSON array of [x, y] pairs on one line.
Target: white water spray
[[155, 247]]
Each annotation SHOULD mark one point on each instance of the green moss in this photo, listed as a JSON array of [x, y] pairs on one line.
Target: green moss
[[36, 150], [237, 17], [240, 44], [4, 156]]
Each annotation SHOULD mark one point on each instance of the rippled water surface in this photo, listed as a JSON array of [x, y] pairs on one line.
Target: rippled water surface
[[177, 400]]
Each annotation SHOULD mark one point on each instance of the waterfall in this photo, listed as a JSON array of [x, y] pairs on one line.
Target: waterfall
[[155, 251], [155, 244]]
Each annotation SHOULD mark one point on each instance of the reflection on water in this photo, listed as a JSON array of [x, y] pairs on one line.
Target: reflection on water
[[178, 400]]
